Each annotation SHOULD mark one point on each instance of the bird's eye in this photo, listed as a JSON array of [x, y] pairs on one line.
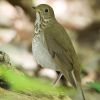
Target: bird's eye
[[46, 10]]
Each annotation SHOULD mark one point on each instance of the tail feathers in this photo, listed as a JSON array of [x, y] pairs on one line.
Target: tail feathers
[[75, 83], [72, 79], [82, 92]]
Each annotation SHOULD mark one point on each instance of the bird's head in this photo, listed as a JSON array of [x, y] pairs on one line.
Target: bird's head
[[44, 11]]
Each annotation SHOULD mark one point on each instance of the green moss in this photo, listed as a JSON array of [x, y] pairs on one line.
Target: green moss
[[23, 87], [20, 82]]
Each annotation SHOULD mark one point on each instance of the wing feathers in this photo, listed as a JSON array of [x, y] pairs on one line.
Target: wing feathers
[[59, 42]]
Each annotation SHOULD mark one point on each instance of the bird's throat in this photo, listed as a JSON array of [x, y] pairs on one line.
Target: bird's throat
[[41, 22]]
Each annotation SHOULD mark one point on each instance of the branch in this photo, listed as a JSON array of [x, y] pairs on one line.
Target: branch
[[24, 87]]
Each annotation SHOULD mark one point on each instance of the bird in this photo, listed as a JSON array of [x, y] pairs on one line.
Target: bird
[[52, 47]]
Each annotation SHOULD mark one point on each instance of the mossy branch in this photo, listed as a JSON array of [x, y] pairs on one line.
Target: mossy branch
[[24, 87]]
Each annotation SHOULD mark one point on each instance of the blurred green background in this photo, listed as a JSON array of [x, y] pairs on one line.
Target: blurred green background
[[81, 19]]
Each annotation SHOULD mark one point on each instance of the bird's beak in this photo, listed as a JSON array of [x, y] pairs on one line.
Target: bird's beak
[[35, 9]]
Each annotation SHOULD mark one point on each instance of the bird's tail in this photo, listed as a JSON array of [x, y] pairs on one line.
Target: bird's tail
[[82, 92], [74, 82]]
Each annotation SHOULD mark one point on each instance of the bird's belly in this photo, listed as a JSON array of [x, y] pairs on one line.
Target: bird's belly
[[42, 55]]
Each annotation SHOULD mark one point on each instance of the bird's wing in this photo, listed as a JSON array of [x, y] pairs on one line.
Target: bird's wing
[[59, 43]]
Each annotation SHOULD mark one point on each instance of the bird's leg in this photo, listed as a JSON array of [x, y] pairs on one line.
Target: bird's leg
[[57, 80]]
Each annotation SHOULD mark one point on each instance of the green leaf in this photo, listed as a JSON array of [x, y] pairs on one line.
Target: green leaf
[[95, 85]]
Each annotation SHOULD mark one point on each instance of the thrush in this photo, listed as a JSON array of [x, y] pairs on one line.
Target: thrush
[[52, 47]]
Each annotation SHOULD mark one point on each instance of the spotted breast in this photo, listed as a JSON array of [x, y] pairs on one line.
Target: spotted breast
[[39, 47]]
